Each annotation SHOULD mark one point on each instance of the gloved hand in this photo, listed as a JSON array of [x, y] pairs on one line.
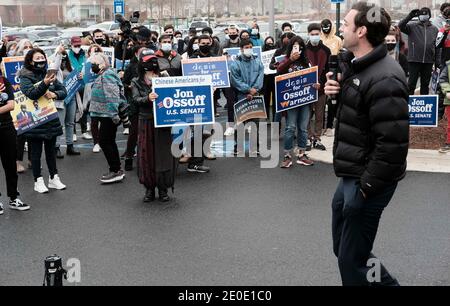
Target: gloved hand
[[414, 13]]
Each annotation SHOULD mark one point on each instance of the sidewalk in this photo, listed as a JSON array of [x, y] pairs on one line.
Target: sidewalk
[[418, 160]]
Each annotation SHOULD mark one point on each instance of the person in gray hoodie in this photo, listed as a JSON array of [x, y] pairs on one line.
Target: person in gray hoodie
[[421, 48]]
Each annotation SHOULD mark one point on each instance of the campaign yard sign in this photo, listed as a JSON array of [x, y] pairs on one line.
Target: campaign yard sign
[[183, 101], [296, 89], [216, 67], [423, 111], [250, 109], [28, 114], [10, 67], [121, 65], [72, 85], [266, 58], [232, 53]]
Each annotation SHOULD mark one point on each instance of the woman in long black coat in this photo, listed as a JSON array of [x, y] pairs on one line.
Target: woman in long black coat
[[156, 164]]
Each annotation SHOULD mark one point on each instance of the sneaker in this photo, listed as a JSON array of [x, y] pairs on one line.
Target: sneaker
[[304, 160], [197, 168], [20, 167], [329, 133], [96, 148], [287, 162], [55, 183], [112, 177], [1, 209], [229, 131], [318, 145], [39, 185], [126, 131], [74, 138], [210, 156], [17, 204], [88, 127], [87, 136], [445, 148]]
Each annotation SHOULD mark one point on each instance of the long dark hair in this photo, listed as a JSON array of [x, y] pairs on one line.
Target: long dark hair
[[65, 64], [29, 58], [303, 59], [265, 47], [190, 49]]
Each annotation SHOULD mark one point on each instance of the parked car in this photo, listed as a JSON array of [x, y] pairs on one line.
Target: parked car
[[107, 26], [198, 25], [21, 35], [46, 33]]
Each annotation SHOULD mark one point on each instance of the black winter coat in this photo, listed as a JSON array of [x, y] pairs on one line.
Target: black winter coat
[[372, 131], [28, 79]]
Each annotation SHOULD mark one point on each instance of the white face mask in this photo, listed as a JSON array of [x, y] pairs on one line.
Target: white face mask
[[255, 31], [195, 47], [248, 52], [76, 50], [314, 39], [25, 51], [166, 47]]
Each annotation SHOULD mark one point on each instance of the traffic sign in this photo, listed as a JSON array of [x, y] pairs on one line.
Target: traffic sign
[[337, 1], [119, 7]]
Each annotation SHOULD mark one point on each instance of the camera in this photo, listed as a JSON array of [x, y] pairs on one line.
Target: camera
[[125, 25]]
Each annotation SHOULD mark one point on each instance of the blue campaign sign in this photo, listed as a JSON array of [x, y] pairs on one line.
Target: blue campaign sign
[[216, 67], [119, 7], [232, 53], [72, 85], [423, 110], [120, 64], [88, 75], [10, 67], [296, 89], [183, 101]]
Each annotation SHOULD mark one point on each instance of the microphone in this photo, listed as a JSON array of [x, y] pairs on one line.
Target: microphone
[[333, 66]]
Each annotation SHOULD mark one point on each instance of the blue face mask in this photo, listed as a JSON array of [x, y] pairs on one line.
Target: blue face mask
[[424, 18], [314, 39]]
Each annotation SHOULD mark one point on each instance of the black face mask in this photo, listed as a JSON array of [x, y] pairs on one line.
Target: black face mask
[[40, 65], [270, 46], [152, 66], [326, 29], [95, 68], [391, 47], [99, 41], [205, 49], [233, 37]]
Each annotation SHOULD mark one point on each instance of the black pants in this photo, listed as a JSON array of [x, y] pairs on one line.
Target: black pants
[[133, 136], [107, 134], [269, 95], [423, 71], [354, 225], [8, 156], [21, 148], [197, 134], [50, 155], [230, 95], [331, 114]]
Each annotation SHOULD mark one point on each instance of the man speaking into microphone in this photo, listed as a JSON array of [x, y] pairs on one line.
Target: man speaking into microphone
[[371, 142]]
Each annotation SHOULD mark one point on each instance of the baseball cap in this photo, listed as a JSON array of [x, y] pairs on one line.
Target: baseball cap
[[75, 41]]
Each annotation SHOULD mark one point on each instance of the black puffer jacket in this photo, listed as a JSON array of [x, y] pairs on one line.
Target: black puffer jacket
[[372, 132]]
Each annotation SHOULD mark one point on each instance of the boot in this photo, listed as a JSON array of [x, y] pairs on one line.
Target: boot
[[163, 196], [59, 154], [71, 150], [149, 195], [128, 164]]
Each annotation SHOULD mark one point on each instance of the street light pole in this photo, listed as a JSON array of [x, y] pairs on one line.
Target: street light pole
[[272, 18]]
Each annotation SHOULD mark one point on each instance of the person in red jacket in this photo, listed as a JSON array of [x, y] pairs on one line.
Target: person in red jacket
[[318, 55]]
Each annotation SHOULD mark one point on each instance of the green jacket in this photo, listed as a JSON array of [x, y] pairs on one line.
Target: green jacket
[[444, 82]]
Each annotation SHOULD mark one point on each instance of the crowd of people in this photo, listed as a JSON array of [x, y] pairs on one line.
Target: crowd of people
[[125, 96]]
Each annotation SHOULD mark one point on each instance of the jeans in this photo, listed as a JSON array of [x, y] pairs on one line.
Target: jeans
[[297, 119], [50, 156], [107, 134], [8, 156], [354, 227], [67, 118], [423, 71], [315, 130]]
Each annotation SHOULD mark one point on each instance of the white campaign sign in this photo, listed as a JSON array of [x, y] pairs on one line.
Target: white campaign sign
[[266, 57]]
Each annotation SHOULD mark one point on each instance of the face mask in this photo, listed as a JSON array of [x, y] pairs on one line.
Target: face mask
[[314, 39], [76, 50], [40, 65], [95, 68], [424, 18], [248, 52], [99, 41], [25, 51], [391, 47], [166, 47], [326, 29], [255, 31], [195, 47], [205, 49], [233, 37]]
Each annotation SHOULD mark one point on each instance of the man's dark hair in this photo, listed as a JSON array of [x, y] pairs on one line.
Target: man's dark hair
[[207, 29], [169, 26], [97, 31], [177, 32], [193, 31], [245, 42], [203, 37], [314, 26], [426, 9], [164, 36], [154, 33], [286, 24], [376, 29], [444, 6]]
